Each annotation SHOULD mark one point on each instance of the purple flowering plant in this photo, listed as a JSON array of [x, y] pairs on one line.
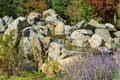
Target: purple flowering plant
[[93, 67]]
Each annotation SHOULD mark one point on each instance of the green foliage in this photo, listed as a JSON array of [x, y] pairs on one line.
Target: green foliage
[[5, 52], [59, 6], [52, 68], [28, 76], [11, 7], [117, 76], [10, 58], [49, 3], [3, 77], [78, 10]]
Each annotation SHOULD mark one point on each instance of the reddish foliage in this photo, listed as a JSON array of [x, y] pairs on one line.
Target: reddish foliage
[[104, 9], [35, 6]]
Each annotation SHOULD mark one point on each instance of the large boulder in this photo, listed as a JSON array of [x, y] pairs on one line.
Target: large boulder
[[51, 27], [117, 34], [39, 23], [46, 42], [83, 42], [114, 43], [80, 24], [68, 29], [29, 65], [86, 32], [77, 34], [27, 36], [110, 27], [59, 29], [19, 24], [31, 32], [54, 51], [63, 65], [38, 51], [51, 19], [103, 33], [78, 39], [33, 17], [25, 47], [117, 58], [49, 12], [95, 41], [104, 49], [92, 25], [8, 20]]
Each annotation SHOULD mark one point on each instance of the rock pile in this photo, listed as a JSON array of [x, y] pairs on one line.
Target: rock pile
[[35, 29]]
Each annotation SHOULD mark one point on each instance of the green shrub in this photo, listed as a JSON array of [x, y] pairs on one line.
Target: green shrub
[[11, 8], [78, 10], [59, 6], [118, 76], [52, 68], [10, 58]]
